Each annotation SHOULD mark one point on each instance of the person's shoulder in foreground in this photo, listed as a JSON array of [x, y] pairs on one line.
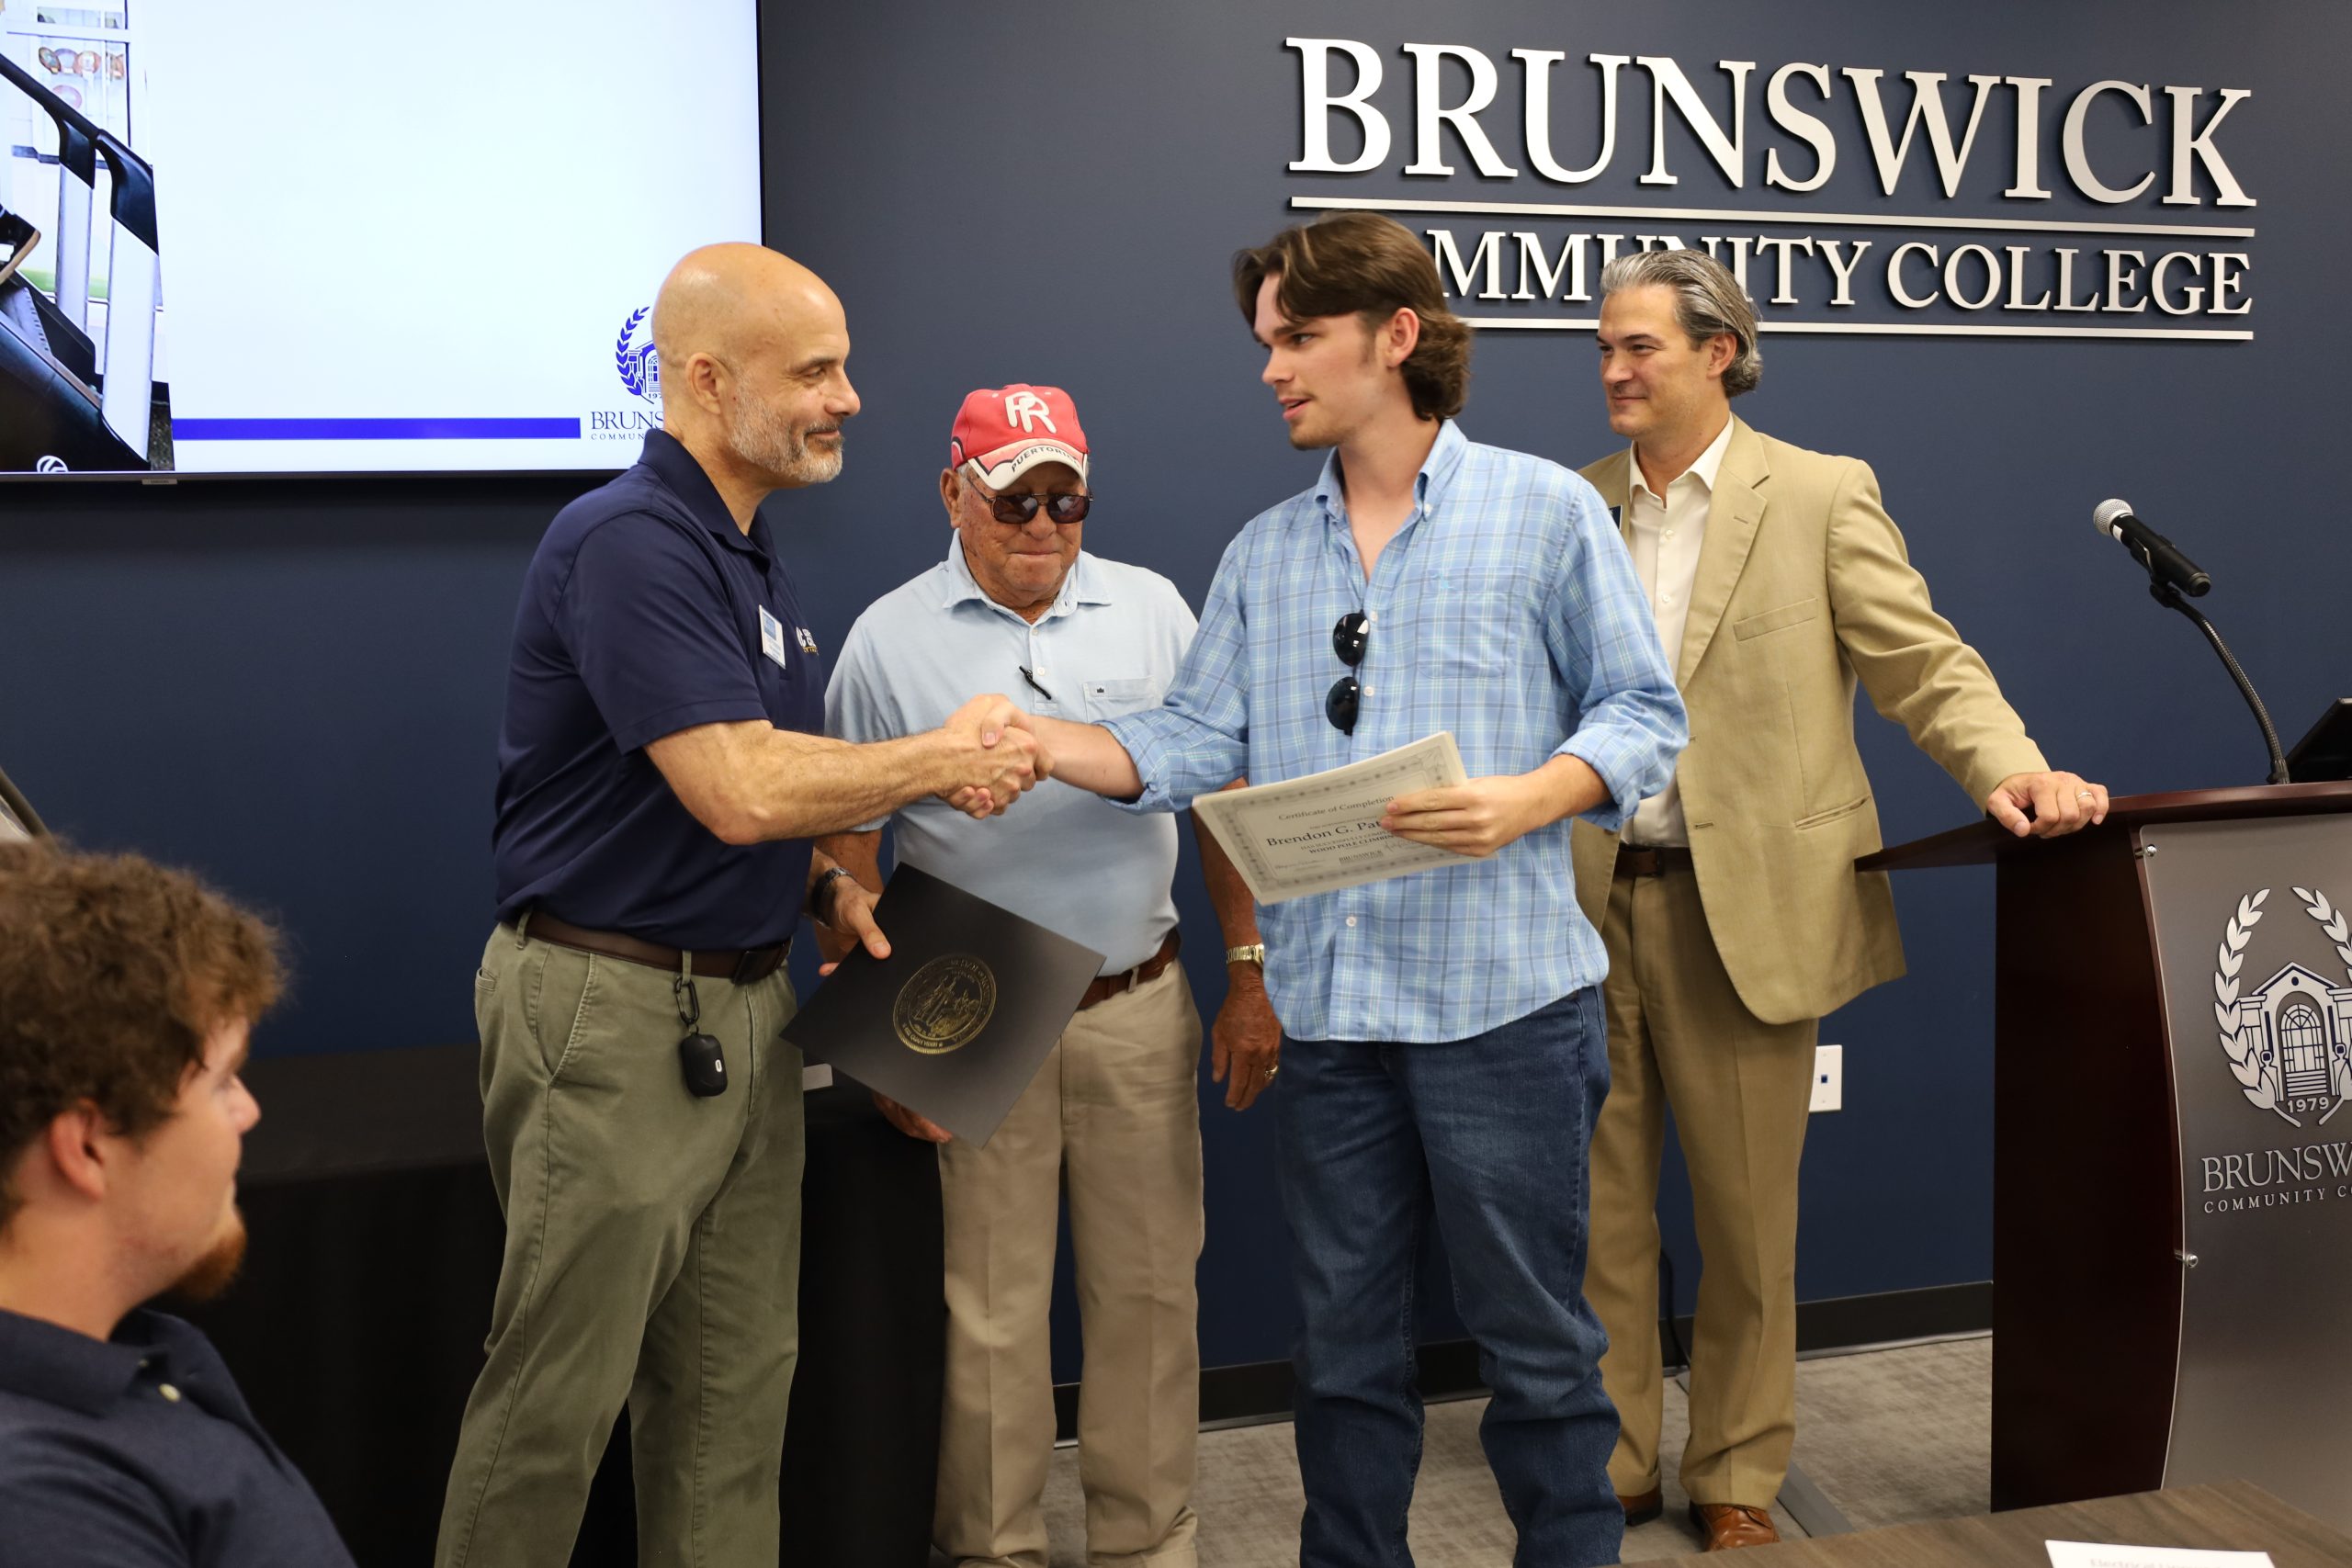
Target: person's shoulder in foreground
[[138, 1451], [1547, 490], [126, 995]]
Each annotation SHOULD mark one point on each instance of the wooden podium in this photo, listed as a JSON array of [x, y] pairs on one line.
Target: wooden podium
[[2171, 1252]]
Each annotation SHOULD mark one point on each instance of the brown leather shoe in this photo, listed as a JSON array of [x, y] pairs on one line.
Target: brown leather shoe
[[1641, 1508], [1730, 1525]]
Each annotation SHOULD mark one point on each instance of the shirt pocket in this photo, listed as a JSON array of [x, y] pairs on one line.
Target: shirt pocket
[[1472, 625], [1108, 698]]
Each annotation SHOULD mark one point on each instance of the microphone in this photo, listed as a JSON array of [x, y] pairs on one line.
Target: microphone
[[2150, 548], [2172, 580]]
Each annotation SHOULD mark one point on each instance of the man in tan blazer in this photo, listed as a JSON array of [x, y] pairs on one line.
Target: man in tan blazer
[[1730, 905]]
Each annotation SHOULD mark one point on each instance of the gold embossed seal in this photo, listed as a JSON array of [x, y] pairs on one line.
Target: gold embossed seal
[[945, 1004]]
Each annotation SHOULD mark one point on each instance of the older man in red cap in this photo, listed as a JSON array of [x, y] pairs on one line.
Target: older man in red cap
[[1115, 1107]]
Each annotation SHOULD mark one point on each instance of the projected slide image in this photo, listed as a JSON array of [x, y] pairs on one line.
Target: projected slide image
[[328, 254], [324, 256], [80, 277]]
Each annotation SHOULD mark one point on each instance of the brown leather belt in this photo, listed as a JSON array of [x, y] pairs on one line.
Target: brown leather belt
[[743, 965], [1650, 860], [1105, 986]]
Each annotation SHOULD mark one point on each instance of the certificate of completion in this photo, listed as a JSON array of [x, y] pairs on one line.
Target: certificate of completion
[[2085, 1554], [1321, 832]]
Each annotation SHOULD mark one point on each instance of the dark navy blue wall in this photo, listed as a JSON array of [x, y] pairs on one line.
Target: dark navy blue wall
[[295, 686]]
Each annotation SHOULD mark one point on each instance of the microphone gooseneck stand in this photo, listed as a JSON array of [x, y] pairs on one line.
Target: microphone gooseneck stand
[[2170, 595]]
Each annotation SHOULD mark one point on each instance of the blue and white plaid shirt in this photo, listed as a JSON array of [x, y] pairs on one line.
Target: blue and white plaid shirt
[[1506, 611]]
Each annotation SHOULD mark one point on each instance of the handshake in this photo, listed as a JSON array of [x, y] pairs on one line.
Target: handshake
[[991, 757]]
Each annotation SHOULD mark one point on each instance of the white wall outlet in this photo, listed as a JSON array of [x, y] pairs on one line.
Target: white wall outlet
[[1828, 1078]]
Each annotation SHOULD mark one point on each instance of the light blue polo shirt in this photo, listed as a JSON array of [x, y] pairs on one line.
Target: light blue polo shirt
[[1062, 857]]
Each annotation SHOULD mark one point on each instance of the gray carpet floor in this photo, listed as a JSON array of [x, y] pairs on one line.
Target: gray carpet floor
[[1890, 1436]]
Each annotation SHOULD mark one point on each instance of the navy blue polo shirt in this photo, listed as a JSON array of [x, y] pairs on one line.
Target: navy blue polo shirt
[[646, 612], [138, 1451]]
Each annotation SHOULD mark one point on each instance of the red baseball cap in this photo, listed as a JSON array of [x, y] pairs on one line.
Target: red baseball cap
[[1003, 432]]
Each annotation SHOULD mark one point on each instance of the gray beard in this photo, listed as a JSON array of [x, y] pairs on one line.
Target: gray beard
[[763, 439]]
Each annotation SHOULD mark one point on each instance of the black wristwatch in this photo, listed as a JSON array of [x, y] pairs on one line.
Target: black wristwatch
[[817, 893]]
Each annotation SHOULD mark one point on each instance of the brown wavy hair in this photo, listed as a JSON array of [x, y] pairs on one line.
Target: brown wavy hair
[[113, 973], [1362, 263]]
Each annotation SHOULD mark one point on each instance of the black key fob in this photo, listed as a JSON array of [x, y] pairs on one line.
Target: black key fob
[[703, 1063]]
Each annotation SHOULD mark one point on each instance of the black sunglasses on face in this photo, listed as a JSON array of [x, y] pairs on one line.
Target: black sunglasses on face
[[1019, 507], [1348, 641]]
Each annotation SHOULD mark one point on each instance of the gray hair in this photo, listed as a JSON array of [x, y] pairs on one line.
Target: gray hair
[[1708, 302]]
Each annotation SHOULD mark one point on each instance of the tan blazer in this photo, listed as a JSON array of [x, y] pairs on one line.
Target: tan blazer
[[1803, 586]]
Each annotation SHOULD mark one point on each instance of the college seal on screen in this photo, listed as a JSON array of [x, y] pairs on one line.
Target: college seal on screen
[[945, 1004]]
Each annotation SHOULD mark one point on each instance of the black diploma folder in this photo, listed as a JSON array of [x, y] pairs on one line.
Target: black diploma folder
[[957, 1019]]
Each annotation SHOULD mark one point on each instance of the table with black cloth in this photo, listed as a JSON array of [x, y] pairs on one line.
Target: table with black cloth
[[356, 1328]]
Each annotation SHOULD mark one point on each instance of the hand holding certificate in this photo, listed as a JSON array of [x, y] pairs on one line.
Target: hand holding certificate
[[1323, 831], [954, 1023]]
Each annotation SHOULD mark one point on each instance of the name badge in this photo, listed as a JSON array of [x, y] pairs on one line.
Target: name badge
[[771, 638]]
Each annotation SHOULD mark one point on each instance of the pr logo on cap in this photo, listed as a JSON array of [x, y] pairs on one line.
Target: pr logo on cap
[[1028, 406], [1003, 432]]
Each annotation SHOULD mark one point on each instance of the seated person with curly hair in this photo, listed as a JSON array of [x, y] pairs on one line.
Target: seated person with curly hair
[[126, 992]]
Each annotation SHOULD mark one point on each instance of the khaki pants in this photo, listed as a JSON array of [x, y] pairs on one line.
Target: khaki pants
[[653, 1258], [1679, 1035], [1116, 1106]]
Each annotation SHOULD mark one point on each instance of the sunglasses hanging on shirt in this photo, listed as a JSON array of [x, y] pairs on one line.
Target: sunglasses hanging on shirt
[[1348, 641]]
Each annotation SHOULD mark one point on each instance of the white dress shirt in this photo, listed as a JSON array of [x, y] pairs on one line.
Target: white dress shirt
[[1665, 534]]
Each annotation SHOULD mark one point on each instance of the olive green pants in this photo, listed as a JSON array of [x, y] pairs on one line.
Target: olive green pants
[[652, 1258]]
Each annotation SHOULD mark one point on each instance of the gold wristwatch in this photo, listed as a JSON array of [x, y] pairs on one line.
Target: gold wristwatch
[[1252, 953]]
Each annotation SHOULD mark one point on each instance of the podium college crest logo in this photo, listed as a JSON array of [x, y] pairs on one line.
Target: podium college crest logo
[[634, 358], [2288, 1040], [945, 1004]]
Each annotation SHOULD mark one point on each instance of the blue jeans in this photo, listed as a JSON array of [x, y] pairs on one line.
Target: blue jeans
[[1489, 1136]]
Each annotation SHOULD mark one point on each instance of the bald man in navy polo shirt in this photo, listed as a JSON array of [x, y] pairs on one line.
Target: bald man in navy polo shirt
[[662, 769]]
